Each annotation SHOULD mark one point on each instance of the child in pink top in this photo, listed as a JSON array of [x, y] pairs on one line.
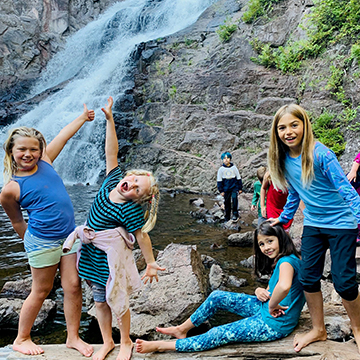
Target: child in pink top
[[354, 179]]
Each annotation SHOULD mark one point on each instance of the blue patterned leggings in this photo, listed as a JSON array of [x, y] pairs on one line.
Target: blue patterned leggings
[[250, 329]]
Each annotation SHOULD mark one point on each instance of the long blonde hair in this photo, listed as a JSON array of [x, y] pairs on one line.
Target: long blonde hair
[[151, 199], [277, 150], [10, 166]]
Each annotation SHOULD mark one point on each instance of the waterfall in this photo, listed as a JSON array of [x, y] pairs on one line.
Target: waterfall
[[95, 62]]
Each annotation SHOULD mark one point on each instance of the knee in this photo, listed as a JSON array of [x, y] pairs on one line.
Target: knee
[[72, 285], [312, 288], [349, 294], [101, 306], [215, 295], [41, 292]]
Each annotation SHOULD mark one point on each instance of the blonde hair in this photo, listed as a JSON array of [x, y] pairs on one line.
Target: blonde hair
[[151, 199], [10, 166], [260, 173], [277, 150]]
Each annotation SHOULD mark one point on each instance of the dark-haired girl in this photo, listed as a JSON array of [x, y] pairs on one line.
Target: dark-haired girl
[[270, 315]]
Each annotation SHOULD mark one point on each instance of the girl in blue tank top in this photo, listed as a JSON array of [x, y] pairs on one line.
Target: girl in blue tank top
[[270, 314], [32, 183]]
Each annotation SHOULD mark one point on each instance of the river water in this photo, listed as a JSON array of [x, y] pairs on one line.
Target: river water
[[174, 224]]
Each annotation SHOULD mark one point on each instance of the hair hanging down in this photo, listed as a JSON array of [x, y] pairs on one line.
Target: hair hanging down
[[277, 150], [10, 166], [263, 264], [151, 199], [260, 173]]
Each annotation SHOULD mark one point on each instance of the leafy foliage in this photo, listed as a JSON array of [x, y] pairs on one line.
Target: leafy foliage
[[226, 30], [330, 22], [257, 8], [329, 133]]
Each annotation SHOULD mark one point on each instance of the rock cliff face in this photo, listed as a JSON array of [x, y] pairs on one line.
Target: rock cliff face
[[194, 96], [31, 31], [200, 97]]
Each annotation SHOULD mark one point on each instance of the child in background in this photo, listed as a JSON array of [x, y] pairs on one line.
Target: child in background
[[117, 206], [312, 173], [270, 314], [353, 174], [255, 203], [275, 200], [354, 179], [32, 183], [229, 184]]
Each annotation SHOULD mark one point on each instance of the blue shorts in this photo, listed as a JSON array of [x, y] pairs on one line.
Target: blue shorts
[[99, 291], [342, 244]]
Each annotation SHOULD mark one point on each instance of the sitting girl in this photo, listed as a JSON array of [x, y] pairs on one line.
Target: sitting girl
[[270, 315]]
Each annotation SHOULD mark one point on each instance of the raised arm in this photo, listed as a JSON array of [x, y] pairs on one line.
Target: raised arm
[[152, 267], [10, 202], [57, 144], [111, 140], [281, 289]]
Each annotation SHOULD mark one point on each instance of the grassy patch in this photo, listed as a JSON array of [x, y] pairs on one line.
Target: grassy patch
[[328, 132], [226, 30]]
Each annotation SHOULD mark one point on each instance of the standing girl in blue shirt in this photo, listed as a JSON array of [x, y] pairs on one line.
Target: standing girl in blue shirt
[[270, 315], [32, 183], [311, 173]]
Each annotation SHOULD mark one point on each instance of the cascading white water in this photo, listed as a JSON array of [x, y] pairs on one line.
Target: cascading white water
[[95, 60]]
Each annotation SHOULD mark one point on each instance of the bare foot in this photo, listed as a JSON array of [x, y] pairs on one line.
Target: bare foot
[[103, 351], [143, 346], [174, 331], [81, 346], [357, 338], [302, 340], [125, 351], [27, 347]]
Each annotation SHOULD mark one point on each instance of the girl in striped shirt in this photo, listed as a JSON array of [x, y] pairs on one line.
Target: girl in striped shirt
[[118, 204]]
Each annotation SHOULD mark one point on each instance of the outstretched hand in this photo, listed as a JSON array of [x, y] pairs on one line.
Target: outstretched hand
[[89, 115], [107, 110], [151, 272], [277, 311]]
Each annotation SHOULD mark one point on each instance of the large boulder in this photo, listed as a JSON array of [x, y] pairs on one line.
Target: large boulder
[[182, 287], [10, 311]]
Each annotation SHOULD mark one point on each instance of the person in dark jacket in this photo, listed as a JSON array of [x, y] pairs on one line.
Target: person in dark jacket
[[229, 184]]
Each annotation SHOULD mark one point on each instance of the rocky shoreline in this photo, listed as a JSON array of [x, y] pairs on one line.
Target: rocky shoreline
[[188, 279]]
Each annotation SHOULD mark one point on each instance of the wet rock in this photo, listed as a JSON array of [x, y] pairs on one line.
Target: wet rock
[[236, 282], [182, 287], [216, 246], [17, 289], [10, 311], [198, 202], [208, 261], [241, 239], [216, 277], [21, 288], [249, 262]]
